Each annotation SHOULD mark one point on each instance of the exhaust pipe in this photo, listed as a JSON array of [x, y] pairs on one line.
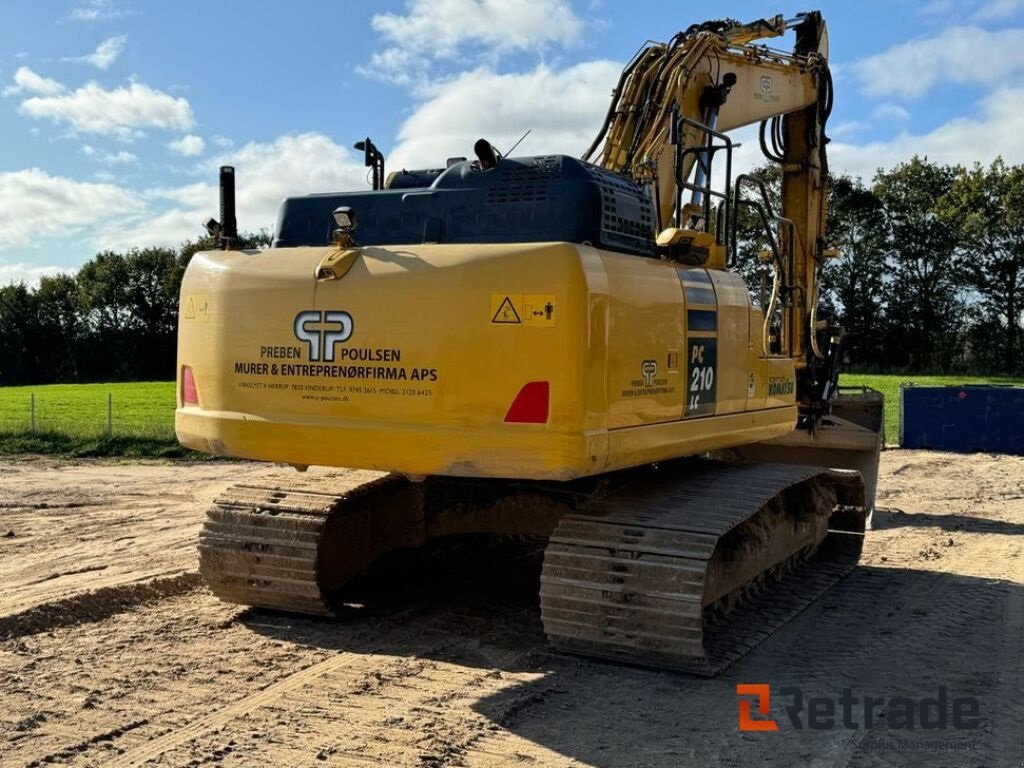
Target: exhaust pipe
[[228, 222]]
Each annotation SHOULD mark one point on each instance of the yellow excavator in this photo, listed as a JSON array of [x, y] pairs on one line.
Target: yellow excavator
[[560, 348]]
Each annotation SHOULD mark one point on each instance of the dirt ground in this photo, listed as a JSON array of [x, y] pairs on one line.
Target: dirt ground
[[113, 654]]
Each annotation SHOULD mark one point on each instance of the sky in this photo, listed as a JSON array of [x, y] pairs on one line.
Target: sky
[[115, 114]]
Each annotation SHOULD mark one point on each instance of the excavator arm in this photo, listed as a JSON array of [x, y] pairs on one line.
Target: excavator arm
[[672, 101], [668, 120]]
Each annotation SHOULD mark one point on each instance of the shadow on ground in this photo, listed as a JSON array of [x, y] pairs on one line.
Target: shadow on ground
[[880, 632], [897, 518]]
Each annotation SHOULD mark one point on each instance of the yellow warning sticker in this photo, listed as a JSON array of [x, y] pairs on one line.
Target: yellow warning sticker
[[197, 307], [539, 309], [531, 309], [504, 309]]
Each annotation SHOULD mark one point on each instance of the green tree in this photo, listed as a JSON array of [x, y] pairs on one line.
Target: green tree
[[107, 317], [925, 310], [751, 235], [58, 310], [985, 207], [856, 226], [18, 335], [151, 290]]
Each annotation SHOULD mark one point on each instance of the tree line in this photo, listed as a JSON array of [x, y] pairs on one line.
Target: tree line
[[931, 279], [115, 319], [931, 270]]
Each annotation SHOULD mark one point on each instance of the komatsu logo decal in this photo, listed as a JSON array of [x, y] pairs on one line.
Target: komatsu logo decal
[[780, 387], [335, 327]]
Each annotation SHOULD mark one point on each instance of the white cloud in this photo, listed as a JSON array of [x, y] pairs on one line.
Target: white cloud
[[997, 10], [120, 158], [98, 10], [118, 112], [110, 158], [27, 81], [848, 128], [189, 145], [446, 29], [890, 111], [34, 205], [24, 272], [958, 55], [994, 131], [562, 108], [106, 53], [266, 174]]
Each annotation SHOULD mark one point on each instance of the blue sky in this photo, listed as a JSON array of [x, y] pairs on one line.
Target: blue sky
[[114, 114]]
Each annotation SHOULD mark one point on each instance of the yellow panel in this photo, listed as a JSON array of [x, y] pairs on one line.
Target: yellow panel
[[646, 324], [401, 365], [733, 341]]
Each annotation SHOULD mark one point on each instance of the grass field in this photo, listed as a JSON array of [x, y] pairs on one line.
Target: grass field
[[81, 409], [72, 418]]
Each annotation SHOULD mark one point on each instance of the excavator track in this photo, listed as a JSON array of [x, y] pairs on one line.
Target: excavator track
[[293, 546], [667, 574], [287, 547], [682, 567]]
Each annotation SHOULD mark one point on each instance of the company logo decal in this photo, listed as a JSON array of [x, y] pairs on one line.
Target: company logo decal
[[322, 331]]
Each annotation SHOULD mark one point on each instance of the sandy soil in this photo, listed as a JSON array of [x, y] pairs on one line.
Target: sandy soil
[[113, 654]]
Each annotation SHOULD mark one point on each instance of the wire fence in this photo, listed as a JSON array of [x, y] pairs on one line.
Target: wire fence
[[88, 414]]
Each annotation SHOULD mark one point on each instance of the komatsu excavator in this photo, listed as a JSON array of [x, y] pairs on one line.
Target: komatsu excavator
[[559, 348]]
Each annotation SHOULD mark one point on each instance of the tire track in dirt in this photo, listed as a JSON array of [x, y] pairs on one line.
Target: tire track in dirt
[[402, 698], [95, 605], [438, 725], [274, 691]]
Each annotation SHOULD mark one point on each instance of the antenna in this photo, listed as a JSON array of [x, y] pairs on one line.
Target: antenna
[[509, 153]]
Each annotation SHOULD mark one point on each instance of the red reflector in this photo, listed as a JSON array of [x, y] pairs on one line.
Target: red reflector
[[531, 404], [189, 395]]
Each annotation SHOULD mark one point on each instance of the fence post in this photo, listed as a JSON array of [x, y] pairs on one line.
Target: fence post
[[32, 412], [110, 414]]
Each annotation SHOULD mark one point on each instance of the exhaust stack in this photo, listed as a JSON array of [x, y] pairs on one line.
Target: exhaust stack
[[228, 222]]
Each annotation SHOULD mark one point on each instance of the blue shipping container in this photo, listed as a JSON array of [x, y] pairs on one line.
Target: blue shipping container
[[963, 419]]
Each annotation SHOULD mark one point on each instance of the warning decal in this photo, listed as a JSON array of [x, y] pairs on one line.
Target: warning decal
[[535, 310], [506, 312], [197, 307]]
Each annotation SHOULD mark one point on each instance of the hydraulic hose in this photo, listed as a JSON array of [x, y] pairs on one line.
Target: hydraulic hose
[[770, 311]]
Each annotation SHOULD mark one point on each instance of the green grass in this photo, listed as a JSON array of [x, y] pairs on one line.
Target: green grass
[[889, 385], [71, 419], [138, 408]]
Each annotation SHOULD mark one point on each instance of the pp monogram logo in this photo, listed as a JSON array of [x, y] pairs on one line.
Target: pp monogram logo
[[335, 328]]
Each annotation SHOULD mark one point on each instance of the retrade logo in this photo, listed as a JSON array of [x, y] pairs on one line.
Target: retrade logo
[[821, 713], [764, 707], [322, 331]]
